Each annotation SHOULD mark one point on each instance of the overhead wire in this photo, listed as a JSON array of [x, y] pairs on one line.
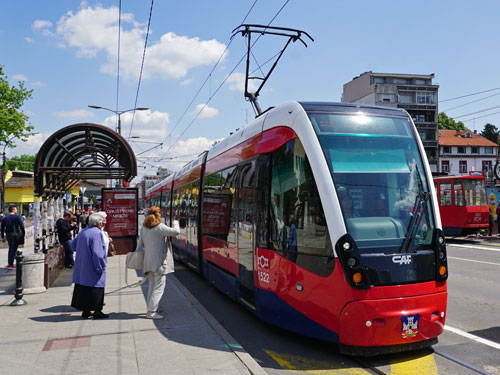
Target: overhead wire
[[475, 118], [465, 96], [208, 78], [118, 59], [222, 83], [142, 67], [474, 101], [473, 113]]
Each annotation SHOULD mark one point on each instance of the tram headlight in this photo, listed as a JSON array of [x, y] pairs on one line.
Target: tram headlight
[[442, 270], [347, 246], [441, 255], [441, 240], [357, 278], [351, 262]]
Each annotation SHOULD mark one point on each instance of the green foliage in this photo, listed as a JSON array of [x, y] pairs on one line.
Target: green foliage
[[22, 163], [447, 123], [491, 132], [13, 122]]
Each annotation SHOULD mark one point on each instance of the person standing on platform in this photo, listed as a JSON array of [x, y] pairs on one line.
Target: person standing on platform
[[158, 257], [12, 226], [89, 275], [64, 227]]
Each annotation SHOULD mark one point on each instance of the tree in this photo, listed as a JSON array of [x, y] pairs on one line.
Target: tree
[[447, 123], [13, 122], [23, 163], [491, 132]]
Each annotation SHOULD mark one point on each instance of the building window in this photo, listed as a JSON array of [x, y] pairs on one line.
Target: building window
[[386, 98], [462, 167], [460, 149], [420, 118], [423, 135], [378, 80], [474, 150], [405, 99], [446, 150], [445, 166], [425, 97], [488, 150], [401, 81], [487, 166], [419, 81]]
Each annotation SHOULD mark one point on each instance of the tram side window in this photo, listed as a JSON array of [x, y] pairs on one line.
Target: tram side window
[[445, 194], [262, 216], [298, 225], [458, 194], [219, 219]]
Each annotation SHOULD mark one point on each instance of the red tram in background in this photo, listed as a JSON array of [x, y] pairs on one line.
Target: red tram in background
[[463, 204], [320, 218]]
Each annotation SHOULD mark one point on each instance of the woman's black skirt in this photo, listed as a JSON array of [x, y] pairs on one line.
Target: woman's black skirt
[[87, 298]]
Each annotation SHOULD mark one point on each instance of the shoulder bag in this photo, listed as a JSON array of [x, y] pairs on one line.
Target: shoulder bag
[[135, 261]]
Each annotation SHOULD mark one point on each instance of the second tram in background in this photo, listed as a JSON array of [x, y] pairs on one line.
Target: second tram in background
[[322, 219], [463, 204]]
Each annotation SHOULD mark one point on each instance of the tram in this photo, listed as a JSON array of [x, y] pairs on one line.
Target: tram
[[322, 219], [463, 204]]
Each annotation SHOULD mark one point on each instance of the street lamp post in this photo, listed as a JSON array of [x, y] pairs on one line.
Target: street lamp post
[[119, 113]]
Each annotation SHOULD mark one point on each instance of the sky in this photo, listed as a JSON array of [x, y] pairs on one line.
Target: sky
[[67, 52]]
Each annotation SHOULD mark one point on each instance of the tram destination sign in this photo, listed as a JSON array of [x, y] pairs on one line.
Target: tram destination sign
[[121, 207]]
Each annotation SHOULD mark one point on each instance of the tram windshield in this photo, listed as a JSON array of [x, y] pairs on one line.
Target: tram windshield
[[380, 181]]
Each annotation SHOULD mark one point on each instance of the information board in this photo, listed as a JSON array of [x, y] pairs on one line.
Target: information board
[[121, 207]]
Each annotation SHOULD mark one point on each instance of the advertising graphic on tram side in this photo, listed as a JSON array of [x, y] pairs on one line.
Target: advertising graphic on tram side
[[320, 218], [463, 204]]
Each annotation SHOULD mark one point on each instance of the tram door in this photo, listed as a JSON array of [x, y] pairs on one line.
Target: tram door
[[246, 223]]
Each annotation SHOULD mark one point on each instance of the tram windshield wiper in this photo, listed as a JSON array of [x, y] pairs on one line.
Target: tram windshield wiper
[[416, 216]]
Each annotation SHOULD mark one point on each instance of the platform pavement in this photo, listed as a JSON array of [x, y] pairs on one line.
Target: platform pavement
[[47, 336]]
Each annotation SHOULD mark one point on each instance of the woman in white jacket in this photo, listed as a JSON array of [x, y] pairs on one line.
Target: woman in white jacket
[[158, 257]]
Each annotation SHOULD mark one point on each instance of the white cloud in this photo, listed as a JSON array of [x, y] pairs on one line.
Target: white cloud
[[42, 26], [30, 147], [29, 40], [206, 111], [20, 77], [189, 148], [38, 84], [92, 30], [150, 126], [186, 82], [75, 114], [236, 82]]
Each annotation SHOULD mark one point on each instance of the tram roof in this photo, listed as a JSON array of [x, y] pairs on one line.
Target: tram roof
[[349, 107]]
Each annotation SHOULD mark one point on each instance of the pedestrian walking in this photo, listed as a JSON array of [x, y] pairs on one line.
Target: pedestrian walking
[[89, 275], [12, 228], [158, 257], [64, 227]]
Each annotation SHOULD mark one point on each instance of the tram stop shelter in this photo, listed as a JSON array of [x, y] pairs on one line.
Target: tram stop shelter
[[72, 154], [80, 152]]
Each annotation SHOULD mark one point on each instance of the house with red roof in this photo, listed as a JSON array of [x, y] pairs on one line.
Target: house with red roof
[[464, 151]]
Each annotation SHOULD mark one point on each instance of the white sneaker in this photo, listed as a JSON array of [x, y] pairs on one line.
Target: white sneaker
[[153, 315]]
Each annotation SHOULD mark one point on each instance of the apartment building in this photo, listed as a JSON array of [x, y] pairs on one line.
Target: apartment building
[[461, 152], [413, 92]]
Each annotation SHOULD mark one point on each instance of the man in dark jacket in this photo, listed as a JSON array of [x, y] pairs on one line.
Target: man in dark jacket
[[12, 226], [64, 227]]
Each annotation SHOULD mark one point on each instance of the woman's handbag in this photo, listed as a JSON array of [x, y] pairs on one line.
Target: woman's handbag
[[111, 250], [135, 260]]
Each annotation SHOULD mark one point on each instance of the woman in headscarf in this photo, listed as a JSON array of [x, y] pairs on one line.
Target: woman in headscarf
[[158, 257], [89, 274]]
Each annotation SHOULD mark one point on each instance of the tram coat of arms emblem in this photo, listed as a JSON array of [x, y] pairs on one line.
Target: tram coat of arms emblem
[[409, 326]]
